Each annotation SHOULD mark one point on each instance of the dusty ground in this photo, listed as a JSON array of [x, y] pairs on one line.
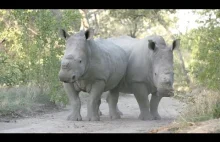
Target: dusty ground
[[56, 122], [209, 126]]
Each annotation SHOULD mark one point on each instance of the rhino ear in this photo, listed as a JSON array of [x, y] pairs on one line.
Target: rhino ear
[[89, 33], [176, 44], [151, 44], [64, 34]]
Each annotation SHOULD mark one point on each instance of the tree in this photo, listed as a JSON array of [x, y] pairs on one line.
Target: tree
[[128, 22], [204, 44], [138, 21], [34, 47]]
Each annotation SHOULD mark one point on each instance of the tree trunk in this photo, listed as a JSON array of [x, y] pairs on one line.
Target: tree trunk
[[133, 31], [97, 25], [84, 20]]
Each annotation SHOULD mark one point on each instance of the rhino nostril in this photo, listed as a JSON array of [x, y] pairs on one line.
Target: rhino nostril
[[168, 82], [73, 77]]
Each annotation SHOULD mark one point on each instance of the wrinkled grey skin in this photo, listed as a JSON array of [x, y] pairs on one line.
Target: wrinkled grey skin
[[93, 66], [149, 71]]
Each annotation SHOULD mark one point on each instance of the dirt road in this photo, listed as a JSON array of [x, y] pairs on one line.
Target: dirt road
[[56, 122]]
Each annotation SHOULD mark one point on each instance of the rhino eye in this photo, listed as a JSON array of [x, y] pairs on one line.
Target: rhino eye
[[155, 74], [80, 61]]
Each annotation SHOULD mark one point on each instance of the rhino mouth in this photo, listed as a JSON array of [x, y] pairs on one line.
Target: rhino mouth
[[68, 81], [165, 92]]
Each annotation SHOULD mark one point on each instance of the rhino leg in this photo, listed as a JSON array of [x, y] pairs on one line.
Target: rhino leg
[[141, 94], [154, 102], [117, 109], [119, 112], [100, 113], [74, 99], [112, 99], [94, 101]]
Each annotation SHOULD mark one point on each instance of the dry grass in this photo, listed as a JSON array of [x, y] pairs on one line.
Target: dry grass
[[203, 104], [202, 113], [23, 101]]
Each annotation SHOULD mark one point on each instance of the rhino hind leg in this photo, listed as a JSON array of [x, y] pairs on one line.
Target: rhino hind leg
[[141, 94], [100, 113], [119, 112], [117, 109], [154, 103], [112, 99]]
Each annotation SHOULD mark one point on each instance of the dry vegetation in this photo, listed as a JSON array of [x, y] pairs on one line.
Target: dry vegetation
[[16, 102], [201, 115]]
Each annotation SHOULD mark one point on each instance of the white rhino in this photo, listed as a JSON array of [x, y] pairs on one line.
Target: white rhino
[[93, 66], [149, 71]]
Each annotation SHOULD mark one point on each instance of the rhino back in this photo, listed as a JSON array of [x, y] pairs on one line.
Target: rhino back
[[125, 42], [138, 62], [109, 62]]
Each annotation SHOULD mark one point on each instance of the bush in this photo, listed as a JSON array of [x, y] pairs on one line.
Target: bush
[[202, 105], [23, 100], [32, 51]]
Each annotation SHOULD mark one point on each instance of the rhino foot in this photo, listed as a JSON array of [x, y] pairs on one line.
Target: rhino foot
[[145, 116], [93, 118], [100, 113], [74, 117], [156, 116], [115, 116], [119, 112]]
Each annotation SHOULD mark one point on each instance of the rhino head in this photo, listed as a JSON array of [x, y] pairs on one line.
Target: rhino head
[[162, 65], [75, 61]]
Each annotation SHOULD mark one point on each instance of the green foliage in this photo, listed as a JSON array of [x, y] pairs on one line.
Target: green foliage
[[203, 44], [33, 49], [205, 53], [202, 62]]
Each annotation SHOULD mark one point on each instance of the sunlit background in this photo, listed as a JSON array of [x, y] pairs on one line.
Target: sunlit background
[[187, 20]]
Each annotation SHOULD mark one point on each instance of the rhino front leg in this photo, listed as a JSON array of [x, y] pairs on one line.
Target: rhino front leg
[[154, 103], [141, 94], [74, 99], [94, 101]]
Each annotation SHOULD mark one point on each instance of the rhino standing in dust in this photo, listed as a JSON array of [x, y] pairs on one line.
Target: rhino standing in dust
[[149, 71], [92, 66]]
